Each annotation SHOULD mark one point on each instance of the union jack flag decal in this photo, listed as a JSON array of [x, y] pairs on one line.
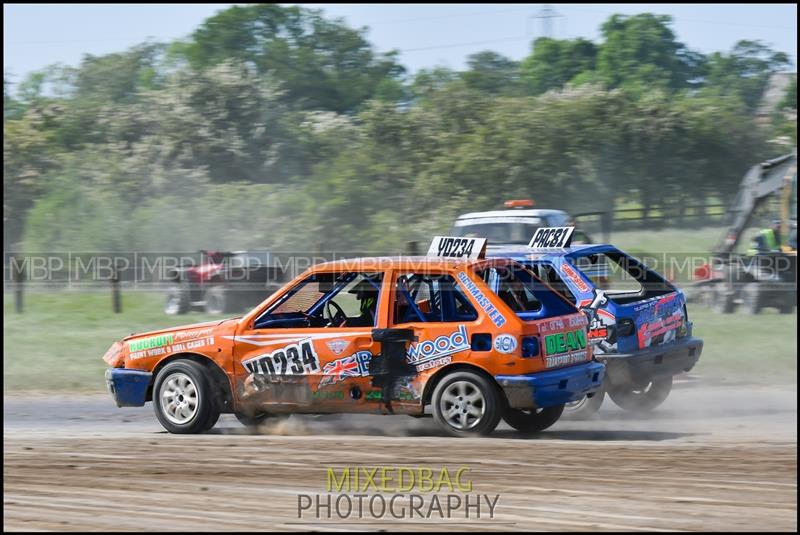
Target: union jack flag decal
[[356, 365]]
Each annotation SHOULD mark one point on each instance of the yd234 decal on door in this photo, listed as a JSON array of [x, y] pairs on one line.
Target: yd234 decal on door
[[294, 359]]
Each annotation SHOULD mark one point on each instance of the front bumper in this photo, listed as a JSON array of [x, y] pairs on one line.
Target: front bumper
[[657, 361], [128, 387], [555, 387]]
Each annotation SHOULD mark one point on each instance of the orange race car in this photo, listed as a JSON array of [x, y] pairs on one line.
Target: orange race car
[[475, 339]]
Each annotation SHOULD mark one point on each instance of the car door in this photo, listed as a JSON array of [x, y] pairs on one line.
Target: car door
[[310, 349]]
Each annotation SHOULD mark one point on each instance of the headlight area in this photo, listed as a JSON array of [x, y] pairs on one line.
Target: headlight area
[[114, 357]]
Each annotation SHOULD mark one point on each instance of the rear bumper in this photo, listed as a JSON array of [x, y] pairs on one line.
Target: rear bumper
[[658, 361], [128, 387], [554, 387]]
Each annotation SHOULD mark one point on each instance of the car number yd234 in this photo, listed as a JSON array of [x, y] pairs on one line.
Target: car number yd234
[[294, 359]]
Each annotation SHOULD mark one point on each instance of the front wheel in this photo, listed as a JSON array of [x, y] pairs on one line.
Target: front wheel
[[177, 301], [217, 300], [586, 407], [183, 400], [533, 420], [254, 420], [466, 404], [642, 398]]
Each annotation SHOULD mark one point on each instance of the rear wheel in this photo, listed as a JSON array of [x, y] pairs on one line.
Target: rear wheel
[[466, 404], [182, 398], [533, 420], [586, 407], [642, 398], [752, 301]]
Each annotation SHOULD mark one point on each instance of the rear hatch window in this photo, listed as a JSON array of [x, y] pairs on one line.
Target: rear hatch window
[[622, 278]]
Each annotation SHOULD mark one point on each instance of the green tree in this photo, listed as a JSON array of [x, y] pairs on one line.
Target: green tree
[[641, 52], [744, 71], [492, 72], [554, 62], [321, 63]]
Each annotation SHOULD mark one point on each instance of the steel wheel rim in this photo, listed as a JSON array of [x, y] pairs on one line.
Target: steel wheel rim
[[577, 404], [180, 399], [462, 404]]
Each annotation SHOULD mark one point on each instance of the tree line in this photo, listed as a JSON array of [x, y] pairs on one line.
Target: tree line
[[277, 127]]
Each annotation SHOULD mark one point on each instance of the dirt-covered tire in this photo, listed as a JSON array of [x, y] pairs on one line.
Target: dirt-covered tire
[[722, 299], [642, 398], [533, 420], [465, 404], [256, 419], [752, 299], [788, 304], [183, 400], [217, 300], [177, 300], [586, 407]]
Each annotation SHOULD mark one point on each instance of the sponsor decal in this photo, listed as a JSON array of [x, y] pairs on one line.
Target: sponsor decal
[[431, 350], [151, 342], [337, 346], [327, 394], [451, 247], [434, 364], [356, 365], [564, 342], [191, 335], [563, 349], [505, 343], [565, 360], [293, 359], [573, 276], [665, 326], [552, 238], [175, 348], [495, 315]]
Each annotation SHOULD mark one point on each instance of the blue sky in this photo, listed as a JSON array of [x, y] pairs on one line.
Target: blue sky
[[35, 36]]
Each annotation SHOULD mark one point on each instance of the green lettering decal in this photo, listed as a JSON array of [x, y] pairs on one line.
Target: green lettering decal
[[550, 344], [562, 344], [149, 343], [581, 339]]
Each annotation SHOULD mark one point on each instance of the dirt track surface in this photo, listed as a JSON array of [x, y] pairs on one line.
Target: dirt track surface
[[712, 458]]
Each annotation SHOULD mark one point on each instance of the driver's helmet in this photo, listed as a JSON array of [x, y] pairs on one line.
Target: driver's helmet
[[366, 292]]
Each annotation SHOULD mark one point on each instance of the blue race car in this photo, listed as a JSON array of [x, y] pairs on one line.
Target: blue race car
[[638, 322]]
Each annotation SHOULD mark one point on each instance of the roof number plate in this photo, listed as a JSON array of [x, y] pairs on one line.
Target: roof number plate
[[552, 238]]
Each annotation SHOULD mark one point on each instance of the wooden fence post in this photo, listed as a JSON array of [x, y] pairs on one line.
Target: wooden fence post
[[19, 280], [115, 296]]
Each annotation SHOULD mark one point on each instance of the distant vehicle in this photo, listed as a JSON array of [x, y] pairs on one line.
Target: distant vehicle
[[638, 323], [513, 226], [477, 340], [765, 276], [223, 282]]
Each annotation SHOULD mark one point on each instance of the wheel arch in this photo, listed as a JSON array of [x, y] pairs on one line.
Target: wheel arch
[[219, 379], [440, 374]]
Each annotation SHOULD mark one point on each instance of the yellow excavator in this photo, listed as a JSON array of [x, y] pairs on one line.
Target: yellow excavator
[[766, 275]]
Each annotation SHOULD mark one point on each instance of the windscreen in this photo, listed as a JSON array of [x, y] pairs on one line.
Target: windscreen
[[497, 230]]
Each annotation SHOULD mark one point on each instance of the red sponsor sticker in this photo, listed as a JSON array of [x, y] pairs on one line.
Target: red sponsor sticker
[[573, 276]]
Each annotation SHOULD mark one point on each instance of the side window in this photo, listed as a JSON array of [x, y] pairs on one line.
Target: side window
[[327, 300], [430, 298], [548, 274]]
